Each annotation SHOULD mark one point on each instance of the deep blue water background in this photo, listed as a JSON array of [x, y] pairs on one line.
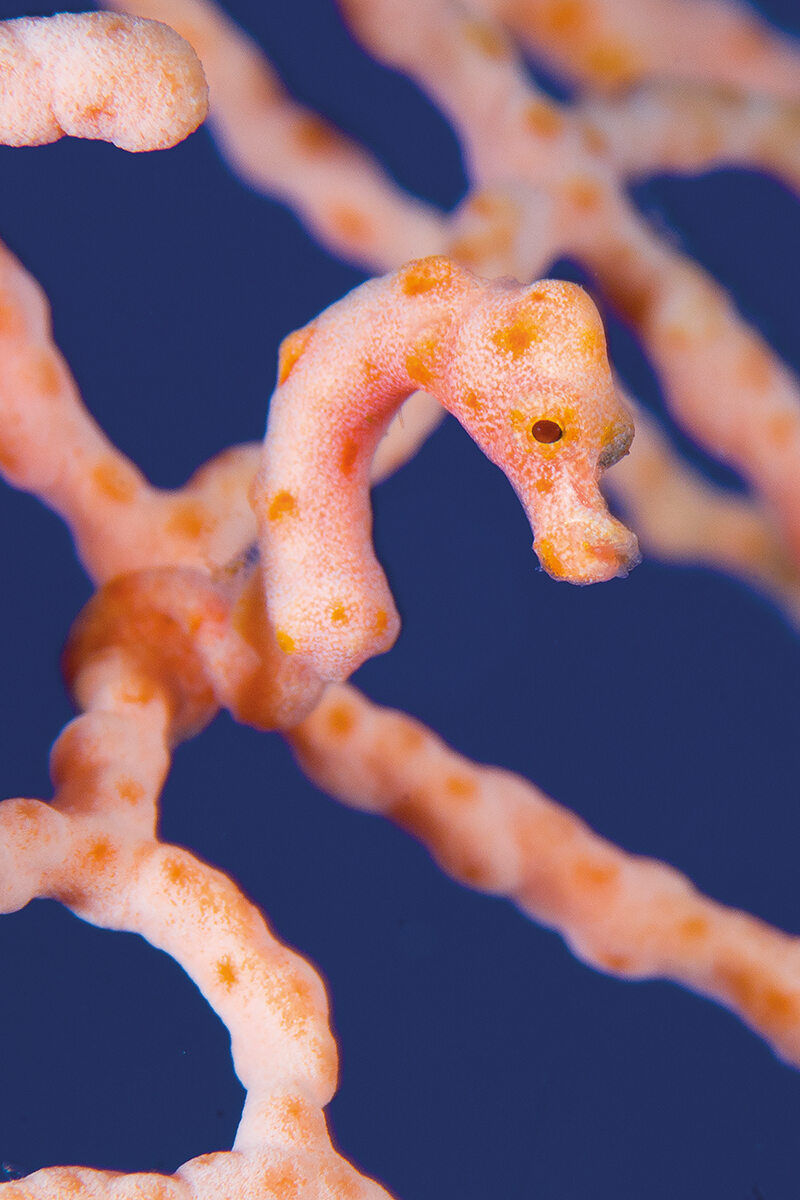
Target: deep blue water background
[[479, 1059]]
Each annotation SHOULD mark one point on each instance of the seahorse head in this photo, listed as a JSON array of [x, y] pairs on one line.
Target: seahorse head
[[529, 379]]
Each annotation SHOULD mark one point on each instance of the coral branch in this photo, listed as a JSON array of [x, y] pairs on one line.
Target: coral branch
[[691, 129], [119, 522], [493, 830], [94, 848], [94, 75], [286, 151], [609, 44], [680, 517]]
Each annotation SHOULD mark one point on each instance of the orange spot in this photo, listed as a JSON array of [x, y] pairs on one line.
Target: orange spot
[[583, 193], [425, 274], [421, 361], [339, 614], [418, 370], [564, 17], [460, 785], [543, 119], [592, 341], [539, 295], [11, 323], [350, 223], [303, 1126], [9, 460], [226, 972], [285, 643], [111, 24], [128, 789], [141, 692], [295, 1109], [92, 113], [176, 871], [339, 1180], [314, 135], [100, 852], [473, 401], [781, 429], [549, 558], [544, 485], [29, 811], [115, 481], [341, 719], [46, 373], [693, 927], [381, 623], [613, 962], [348, 456], [283, 1182], [483, 204], [194, 622], [298, 1002], [475, 873], [484, 38], [613, 61], [290, 350], [516, 338], [190, 519], [588, 874], [766, 1006], [283, 504]]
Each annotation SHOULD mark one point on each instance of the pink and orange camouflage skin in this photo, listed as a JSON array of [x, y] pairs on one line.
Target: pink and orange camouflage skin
[[525, 371]]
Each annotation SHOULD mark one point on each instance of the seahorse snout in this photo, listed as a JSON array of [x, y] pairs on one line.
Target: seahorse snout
[[582, 543]]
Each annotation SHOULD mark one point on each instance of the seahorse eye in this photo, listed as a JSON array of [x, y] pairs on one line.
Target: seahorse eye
[[547, 431]]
